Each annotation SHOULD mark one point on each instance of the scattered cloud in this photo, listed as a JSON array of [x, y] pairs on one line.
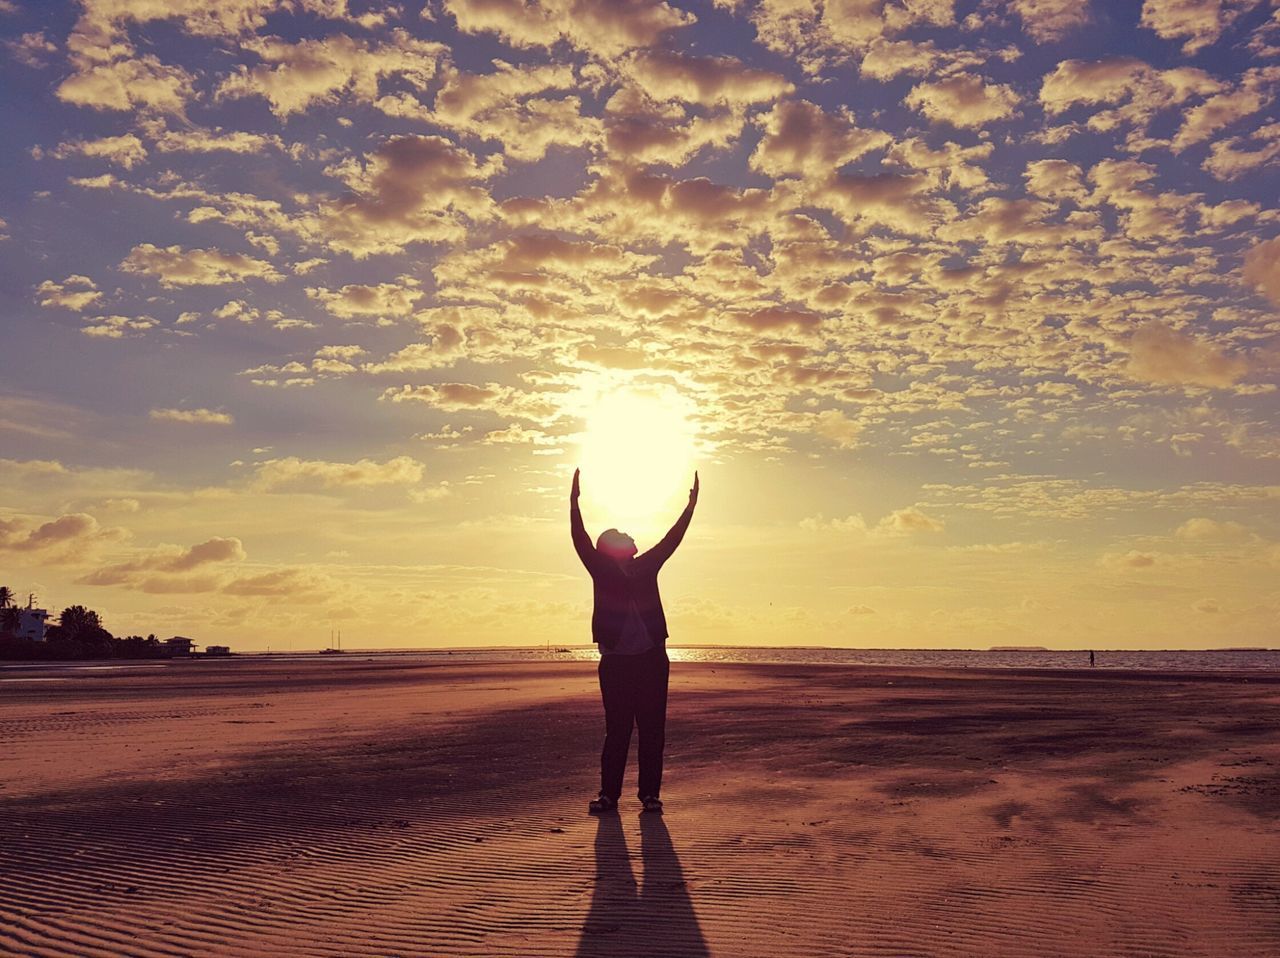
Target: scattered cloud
[[68, 538], [292, 472], [909, 521], [76, 293], [1160, 354], [171, 569], [1262, 268], [193, 416], [173, 266], [963, 100]]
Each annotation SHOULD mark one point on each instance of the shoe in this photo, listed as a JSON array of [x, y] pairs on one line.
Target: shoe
[[652, 804], [602, 805]]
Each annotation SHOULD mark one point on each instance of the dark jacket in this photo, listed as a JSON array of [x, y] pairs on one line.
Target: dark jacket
[[617, 584]]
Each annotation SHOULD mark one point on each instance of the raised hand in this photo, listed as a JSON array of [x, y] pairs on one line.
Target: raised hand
[[574, 492], [693, 493]]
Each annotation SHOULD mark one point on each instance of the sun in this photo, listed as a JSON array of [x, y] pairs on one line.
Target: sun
[[637, 458]]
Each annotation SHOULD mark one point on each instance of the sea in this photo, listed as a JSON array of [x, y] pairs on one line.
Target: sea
[[1162, 660], [1177, 660]]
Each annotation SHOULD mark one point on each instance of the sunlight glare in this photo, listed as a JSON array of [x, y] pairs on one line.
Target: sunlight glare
[[637, 459]]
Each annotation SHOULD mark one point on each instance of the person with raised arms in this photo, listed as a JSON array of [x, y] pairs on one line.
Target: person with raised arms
[[628, 625]]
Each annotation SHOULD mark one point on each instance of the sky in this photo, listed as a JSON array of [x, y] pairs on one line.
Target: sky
[[967, 314]]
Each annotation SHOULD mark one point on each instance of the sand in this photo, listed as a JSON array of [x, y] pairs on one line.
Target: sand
[[378, 806]]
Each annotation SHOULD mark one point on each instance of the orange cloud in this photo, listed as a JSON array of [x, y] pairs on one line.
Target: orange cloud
[[1160, 354]]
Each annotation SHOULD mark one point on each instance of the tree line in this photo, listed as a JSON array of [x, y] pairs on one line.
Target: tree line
[[79, 634]]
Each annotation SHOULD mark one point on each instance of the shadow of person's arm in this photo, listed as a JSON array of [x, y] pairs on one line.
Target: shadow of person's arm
[[664, 549]]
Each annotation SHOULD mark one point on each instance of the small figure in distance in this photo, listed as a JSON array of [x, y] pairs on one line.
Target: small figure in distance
[[629, 626], [1091, 658]]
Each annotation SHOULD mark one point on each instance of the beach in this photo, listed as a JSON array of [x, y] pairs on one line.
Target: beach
[[375, 805]]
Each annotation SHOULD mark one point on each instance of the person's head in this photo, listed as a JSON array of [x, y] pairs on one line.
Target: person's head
[[615, 544]]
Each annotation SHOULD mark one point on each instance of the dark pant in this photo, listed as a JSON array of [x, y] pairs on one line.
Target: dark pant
[[634, 689]]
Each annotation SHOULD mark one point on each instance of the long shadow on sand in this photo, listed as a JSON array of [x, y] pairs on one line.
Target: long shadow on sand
[[655, 919]]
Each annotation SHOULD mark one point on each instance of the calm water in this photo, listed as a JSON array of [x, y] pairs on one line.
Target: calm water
[[1232, 660], [1164, 660]]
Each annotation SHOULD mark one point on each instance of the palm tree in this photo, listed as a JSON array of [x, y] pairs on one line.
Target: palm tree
[[6, 597], [9, 620], [79, 622]]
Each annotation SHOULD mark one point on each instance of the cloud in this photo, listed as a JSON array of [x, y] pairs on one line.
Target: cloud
[[1217, 112], [603, 27], [1047, 21], [446, 347], [1233, 157], [779, 318], [125, 150], [963, 100], [175, 267], [956, 166], [203, 18], [1200, 21], [1159, 354], [490, 398], [411, 189], [142, 83], [802, 139], [298, 585], [886, 59], [1132, 559], [76, 293], [296, 76], [196, 139], [290, 472], [33, 49], [108, 73], [387, 300], [1090, 82], [1057, 180], [709, 81], [997, 220], [518, 106], [117, 327], [899, 201], [854, 524], [1262, 268], [909, 521], [196, 416], [68, 538], [168, 569], [643, 130], [1201, 529], [834, 426]]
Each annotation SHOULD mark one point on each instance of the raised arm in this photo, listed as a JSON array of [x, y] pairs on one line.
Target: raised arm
[[663, 550], [581, 541]]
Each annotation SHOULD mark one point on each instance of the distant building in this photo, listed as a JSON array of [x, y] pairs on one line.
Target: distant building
[[32, 624], [217, 650], [176, 646]]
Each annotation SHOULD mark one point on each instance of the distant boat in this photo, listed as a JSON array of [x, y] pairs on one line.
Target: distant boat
[[333, 649]]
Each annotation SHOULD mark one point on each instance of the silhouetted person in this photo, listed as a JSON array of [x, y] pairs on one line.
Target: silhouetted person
[[1091, 658], [630, 628]]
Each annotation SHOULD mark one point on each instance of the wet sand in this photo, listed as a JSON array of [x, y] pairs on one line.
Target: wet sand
[[353, 805]]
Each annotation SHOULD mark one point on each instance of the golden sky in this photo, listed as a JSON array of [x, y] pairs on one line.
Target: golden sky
[[967, 314]]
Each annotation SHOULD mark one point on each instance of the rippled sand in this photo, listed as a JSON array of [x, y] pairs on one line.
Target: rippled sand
[[378, 806]]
